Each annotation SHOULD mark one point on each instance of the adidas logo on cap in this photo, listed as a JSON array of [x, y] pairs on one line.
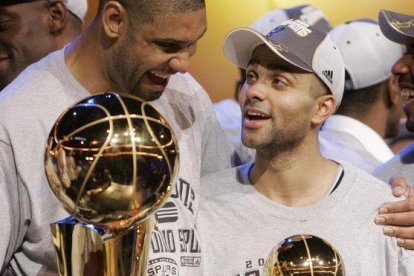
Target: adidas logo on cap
[[328, 75]]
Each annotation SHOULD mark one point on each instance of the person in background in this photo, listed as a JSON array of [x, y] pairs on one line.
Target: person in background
[[400, 28], [31, 29], [228, 110], [370, 110]]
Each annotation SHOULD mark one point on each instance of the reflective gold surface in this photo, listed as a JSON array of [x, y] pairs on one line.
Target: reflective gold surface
[[80, 250], [304, 255], [111, 160]]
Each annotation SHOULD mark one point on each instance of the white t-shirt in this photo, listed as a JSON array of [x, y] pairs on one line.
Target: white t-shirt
[[347, 139], [239, 229], [29, 107]]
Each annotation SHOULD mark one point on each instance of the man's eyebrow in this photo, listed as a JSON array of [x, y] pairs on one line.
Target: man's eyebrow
[[253, 62], [171, 41], [273, 66]]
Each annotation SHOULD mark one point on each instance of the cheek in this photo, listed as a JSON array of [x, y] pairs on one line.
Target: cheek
[[241, 96], [154, 61]]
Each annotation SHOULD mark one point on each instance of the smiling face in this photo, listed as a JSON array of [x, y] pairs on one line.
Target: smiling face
[[404, 69], [149, 53], [24, 38], [278, 102]]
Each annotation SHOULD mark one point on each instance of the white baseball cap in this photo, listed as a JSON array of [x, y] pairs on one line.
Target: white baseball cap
[[297, 43], [368, 55], [77, 8], [306, 13], [397, 27]]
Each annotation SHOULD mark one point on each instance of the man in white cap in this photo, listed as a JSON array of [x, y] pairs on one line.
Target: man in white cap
[[370, 110], [400, 29], [294, 80], [31, 29], [228, 110]]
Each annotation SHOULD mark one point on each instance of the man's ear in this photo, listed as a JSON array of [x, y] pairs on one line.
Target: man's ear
[[324, 107], [57, 17], [393, 93], [113, 19]]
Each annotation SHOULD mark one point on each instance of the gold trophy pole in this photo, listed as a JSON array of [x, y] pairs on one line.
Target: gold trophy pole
[[82, 250]]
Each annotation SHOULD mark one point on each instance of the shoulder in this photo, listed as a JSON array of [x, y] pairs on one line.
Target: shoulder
[[184, 83], [33, 84], [184, 94], [36, 98], [400, 164], [185, 87], [225, 183], [366, 187]]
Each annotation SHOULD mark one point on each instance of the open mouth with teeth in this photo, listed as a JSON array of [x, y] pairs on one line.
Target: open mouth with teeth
[[158, 78], [255, 116], [407, 93]]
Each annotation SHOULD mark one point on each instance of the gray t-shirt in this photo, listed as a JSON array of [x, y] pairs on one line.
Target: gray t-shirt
[[239, 229], [29, 107]]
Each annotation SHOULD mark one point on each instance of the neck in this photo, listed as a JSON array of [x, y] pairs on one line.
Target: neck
[[294, 178], [85, 57]]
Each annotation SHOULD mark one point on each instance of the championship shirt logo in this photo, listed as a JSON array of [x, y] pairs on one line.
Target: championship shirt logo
[[402, 25], [190, 261], [167, 213], [279, 47], [299, 27], [162, 267]]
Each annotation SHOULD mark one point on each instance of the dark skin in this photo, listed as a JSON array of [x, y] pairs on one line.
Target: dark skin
[[30, 31], [398, 217]]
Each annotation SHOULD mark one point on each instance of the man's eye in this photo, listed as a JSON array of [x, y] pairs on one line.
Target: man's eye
[[169, 47], [4, 25], [250, 76], [279, 82]]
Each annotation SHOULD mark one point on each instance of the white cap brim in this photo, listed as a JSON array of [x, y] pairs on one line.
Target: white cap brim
[[240, 44], [77, 7]]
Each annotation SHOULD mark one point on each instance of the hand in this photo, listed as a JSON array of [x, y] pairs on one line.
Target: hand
[[398, 217]]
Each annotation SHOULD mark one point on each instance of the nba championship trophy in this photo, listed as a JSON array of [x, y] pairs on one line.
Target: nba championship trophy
[[111, 161], [304, 255]]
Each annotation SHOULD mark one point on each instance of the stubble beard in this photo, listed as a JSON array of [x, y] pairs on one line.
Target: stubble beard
[[274, 142]]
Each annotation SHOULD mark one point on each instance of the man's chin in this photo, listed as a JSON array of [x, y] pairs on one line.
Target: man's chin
[[4, 82], [409, 124], [149, 96]]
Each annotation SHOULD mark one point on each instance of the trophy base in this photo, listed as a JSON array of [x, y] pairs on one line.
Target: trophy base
[[84, 249]]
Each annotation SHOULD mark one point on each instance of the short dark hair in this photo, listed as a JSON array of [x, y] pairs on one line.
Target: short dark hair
[[144, 10], [360, 101], [318, 87]]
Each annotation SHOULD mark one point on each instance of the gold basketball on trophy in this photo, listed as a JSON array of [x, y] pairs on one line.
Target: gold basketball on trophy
[[304, 255], [111, 160]]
